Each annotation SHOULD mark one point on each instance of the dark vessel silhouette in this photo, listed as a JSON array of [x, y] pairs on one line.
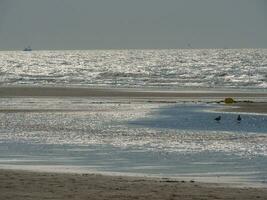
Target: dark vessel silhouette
[[27, 48]]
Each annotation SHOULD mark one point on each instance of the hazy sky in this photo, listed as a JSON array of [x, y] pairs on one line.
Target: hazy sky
[[105, 24]]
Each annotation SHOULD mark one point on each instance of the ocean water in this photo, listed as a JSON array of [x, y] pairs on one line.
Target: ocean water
[[164, 140], [209, 68]]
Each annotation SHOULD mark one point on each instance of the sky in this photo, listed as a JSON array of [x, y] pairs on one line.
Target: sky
[[138, 24]]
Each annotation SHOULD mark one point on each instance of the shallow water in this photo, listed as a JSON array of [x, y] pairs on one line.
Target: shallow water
[[201, 118], [169, 140]]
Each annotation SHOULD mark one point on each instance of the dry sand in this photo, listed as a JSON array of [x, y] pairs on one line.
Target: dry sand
[[22, 185]]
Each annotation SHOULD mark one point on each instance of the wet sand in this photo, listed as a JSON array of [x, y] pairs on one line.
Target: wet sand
[[259, 107], [122, 92], [143, 95], [23, 185]]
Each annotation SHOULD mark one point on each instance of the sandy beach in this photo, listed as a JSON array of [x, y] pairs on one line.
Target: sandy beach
[[23, 185], [123, 92], [16, 185], [247, 101]]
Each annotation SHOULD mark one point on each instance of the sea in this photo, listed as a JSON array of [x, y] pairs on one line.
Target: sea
[[208, 68], [121, 137]]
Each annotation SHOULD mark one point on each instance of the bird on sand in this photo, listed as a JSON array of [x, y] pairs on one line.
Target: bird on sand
[[239, 118], [218, 118]]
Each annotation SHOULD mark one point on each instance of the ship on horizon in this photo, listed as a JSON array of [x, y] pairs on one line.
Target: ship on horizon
[[27, 48]]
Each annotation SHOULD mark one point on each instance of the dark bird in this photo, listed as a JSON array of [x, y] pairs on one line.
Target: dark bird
[[239, 118], [218, 118]]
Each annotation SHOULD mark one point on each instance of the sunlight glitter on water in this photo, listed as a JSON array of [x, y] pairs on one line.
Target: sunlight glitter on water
[[126, 137], [179, 128], [221, 68]]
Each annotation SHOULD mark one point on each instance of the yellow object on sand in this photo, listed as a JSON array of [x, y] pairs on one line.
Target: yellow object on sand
[[229, 100]]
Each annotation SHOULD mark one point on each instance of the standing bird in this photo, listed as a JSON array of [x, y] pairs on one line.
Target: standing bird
[[239, 118], [218, 118]]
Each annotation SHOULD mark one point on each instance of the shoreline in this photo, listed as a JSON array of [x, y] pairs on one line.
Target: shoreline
[[17, 184], [231, 181]]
